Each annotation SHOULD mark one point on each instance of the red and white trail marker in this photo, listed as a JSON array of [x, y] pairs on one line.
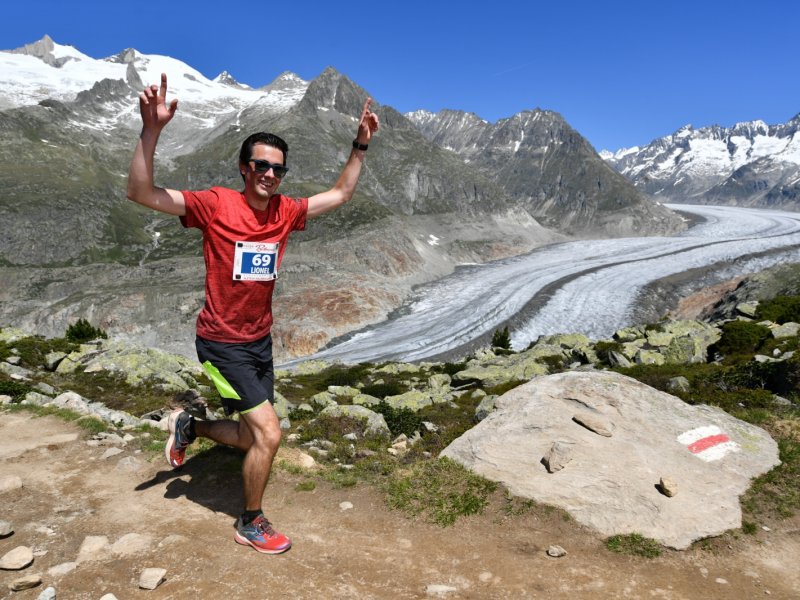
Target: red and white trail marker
[[708, 443]]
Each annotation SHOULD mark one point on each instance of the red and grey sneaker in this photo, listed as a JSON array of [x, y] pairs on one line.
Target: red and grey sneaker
[[178, 425], [260, 535]]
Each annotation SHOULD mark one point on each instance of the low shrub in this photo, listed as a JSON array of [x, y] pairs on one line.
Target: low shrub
[[83, 331], [780, 309], [739, 338], [399, 420]]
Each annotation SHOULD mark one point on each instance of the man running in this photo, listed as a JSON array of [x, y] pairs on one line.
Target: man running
[[244, 238]]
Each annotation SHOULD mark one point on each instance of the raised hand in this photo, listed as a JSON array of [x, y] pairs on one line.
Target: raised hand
[[367, 125], [153, 106]]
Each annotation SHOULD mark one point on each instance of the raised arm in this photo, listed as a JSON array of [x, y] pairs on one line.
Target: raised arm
[[346, 184], [155, 116]]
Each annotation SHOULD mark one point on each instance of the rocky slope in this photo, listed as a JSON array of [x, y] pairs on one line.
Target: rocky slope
[[74, 246]]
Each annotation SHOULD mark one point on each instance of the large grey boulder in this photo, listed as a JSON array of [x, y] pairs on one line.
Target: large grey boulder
[[137, 365], [611, 480], [375, 423]]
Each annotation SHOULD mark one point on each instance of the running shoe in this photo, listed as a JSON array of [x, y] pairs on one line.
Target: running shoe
[[178, 424], [260, 535]]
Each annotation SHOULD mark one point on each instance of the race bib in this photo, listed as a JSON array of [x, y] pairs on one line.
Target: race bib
[[255, 261]]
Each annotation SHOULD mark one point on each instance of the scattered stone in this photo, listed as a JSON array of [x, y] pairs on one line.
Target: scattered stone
[[45, 388], [765, 528], [438, 589], [62, 569], [430, 427], [111, 452], [49, 593], [131, 544], [485, 577], [593, 423], [556, 551], [108, 597], [9, 483], [6, 529], [786, 330], [668, 487], [285, 424], [151, 578], [52, 360], [25, 583], [721, 581], [485, 407], [92, 548], [558, 456], [350, 436], [617, 359], [14, 360], [16, 559], [5, 399], [345, 505], [293, 437]]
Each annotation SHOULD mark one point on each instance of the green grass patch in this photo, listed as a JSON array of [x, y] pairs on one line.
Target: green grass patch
[[634, 544], [32, 350], [308, 485], [439, 490]]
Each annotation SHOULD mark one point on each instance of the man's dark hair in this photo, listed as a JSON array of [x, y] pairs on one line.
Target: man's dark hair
[[268, 139]]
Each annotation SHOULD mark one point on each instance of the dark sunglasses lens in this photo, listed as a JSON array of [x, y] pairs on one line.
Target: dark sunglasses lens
[[262, 166]]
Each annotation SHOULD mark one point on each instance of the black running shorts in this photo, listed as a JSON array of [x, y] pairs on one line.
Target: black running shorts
[[243, 373]]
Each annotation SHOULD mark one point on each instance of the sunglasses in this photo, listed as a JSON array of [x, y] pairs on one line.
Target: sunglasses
[[262, 166]]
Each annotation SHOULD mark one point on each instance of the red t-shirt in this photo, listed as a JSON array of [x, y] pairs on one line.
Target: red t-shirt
[[238, 311]]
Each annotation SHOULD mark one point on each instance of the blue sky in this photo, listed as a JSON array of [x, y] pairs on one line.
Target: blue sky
[[621, 73]]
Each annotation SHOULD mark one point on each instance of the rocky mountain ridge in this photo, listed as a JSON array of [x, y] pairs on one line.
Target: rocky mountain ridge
[[366, 256], [748, 164]]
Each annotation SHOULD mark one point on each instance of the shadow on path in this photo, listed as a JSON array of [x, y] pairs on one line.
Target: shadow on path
[[211, 478]]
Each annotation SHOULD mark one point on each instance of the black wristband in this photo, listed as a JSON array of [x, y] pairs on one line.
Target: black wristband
[[362, 147]]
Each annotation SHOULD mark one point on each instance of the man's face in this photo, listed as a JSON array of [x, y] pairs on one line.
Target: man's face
[[260, 186]]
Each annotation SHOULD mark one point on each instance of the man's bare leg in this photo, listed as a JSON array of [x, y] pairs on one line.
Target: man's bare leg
[[258, 433]]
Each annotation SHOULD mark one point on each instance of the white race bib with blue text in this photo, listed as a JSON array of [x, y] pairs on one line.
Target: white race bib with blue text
[[255, 261]]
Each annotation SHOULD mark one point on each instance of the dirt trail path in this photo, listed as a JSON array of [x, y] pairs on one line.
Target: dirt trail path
[[182, 521]]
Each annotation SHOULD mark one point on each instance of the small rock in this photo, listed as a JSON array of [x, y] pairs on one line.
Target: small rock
[[350, 436], [558, 456], [765, 528], [556, 551], [151, 578], [721, 581], [49, 593], [485, 577], [111, 452], [10, 483], [345, 505], [92, 548], [108, 597], [25, 583], [292, 437], [668, 487], [593, 423], [392, 451], [16, 559], [62, 569], [306, 461], [437, 589], [131, 544], [6, 529]]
